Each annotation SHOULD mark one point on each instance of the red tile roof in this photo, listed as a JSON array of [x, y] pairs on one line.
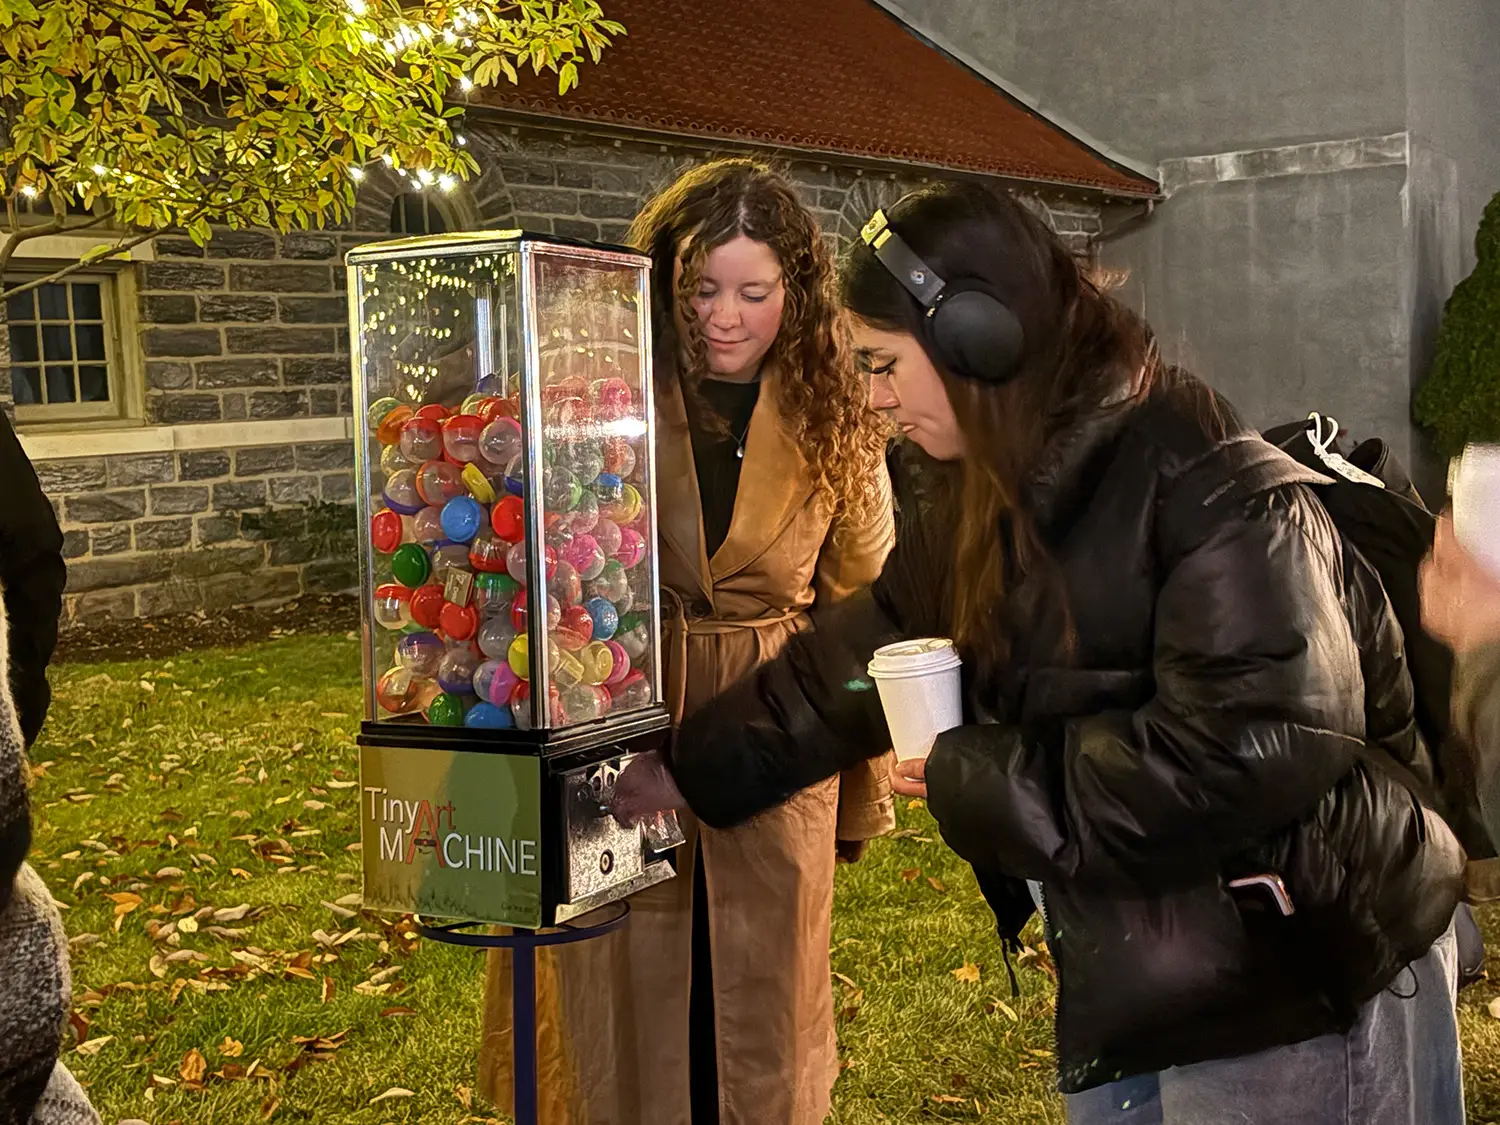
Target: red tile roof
[[836, 76]]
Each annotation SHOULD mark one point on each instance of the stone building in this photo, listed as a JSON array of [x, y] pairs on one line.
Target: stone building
[[189, 411]]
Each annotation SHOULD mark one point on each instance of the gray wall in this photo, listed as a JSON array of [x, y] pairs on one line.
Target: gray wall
[[1307, 266], [1162, 78]]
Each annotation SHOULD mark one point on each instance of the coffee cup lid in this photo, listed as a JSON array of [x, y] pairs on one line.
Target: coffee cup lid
[[904, 658]]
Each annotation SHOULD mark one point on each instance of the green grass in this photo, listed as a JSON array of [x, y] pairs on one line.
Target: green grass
[[224, 779]]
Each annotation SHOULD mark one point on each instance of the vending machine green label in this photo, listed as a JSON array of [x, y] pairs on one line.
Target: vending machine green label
[[452, 834]]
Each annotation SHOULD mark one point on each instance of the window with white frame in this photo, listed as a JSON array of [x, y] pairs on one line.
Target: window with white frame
[[64, 362]]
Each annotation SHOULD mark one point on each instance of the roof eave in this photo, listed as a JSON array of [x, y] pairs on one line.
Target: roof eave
[[559, 123]]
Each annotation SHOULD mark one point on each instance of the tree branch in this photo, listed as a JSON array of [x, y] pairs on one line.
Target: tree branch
[[124, 247], [25, 234]]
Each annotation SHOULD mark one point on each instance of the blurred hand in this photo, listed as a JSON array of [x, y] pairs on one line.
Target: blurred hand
[[849, 851], [1460, 600], [645, 787], [909, 778]]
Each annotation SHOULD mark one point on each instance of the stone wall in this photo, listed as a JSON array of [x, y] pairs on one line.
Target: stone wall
[[253, 332]]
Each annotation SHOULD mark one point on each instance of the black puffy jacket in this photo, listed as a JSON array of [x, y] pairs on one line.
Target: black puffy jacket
[[1235, 693]]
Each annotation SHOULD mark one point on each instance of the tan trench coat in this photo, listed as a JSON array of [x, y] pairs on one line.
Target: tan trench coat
[[613, 1012]]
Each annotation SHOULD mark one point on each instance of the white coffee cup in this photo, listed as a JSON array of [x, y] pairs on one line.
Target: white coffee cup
[[921, 693], [1476, 504]]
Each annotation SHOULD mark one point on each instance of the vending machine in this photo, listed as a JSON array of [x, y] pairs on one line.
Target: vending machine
[[511, 618]]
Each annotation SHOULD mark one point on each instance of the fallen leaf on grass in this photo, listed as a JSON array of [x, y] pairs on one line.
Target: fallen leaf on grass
[[226, 933], [937, 885], [341, 784], [125, 901], [339, 911], [268, 1106], [948, 1099], [465, 1097], [398, 1010], [315, 805], [968, 973], [1495, 1007], [910, 874], [393, 1092], [186, 955], [240, 871], [79, 1023], [94, 1046], [384, 974], [997, 1005], [194, 1066], [169, 873], [355, 899], [328, 988], [158, 965], [232, 913], [82, 941], [231, 1048], [187, 926]]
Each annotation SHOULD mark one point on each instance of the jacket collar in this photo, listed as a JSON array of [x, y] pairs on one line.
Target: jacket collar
[[775, 484], [1065, 473]]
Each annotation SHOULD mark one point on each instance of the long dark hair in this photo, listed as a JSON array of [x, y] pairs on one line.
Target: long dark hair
[[1081, 347], [821, 397]]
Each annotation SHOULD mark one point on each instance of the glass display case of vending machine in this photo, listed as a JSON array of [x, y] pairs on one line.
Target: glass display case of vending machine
[[512, 630]]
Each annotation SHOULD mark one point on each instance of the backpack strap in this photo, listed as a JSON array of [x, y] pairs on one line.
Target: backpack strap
[[1225, 478]]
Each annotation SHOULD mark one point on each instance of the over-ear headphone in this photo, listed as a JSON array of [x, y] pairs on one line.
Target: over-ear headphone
[[973, 332]]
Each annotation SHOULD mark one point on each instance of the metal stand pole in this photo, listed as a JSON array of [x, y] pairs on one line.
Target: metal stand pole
[[523, 1031], [523, 946]]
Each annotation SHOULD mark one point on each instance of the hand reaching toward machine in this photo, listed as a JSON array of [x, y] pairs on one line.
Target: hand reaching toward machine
[[644, 787], [1460, 600]]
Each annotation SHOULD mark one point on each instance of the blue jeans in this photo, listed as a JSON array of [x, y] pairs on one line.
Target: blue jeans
[[1399, 1065]]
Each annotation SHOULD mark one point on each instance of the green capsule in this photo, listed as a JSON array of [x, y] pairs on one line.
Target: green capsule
[[446, 710], [410, 565]]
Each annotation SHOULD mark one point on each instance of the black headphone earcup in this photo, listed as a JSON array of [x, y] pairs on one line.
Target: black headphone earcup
[[978, 336]]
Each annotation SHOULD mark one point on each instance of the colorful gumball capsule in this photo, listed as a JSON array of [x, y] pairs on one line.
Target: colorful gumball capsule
[[605, 616], [434, 410], [487, 553], [607, 533], [459, 622], [421, 440], [462, 518], [455, 673], [401, 493], [461, 438], [410, 565], [614, 398], [620, 666], [565, 585], [632, 548], [576, 628], [493, 591], [386, 531], [488, 716], [392, 606], [419, 653], [446, 711], [619, 457], [495, 637], [438, 482], [500, 441], [598, 662], [478, 484], [399, 692], [427, 525], [608, 488], [495, 682], [508, 518], [389, 430], [519, 657], [427, 605], [449, 557]]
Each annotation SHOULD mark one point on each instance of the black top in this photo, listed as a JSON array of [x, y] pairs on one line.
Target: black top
[[1232, 684], [716, 453]]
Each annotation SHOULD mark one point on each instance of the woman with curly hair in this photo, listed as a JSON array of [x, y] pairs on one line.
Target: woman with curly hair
[[713, 1004]]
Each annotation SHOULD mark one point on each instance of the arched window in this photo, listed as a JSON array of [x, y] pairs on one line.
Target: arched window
[[416, 212]]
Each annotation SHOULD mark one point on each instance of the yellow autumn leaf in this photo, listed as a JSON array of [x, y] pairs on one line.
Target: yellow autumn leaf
[[194, 1066], [968, 973], [231, 1048]]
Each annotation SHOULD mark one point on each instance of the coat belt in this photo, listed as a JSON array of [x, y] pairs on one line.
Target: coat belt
[[679, 627]]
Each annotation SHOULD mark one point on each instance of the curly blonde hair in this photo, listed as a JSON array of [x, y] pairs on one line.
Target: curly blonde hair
[[821, 397]]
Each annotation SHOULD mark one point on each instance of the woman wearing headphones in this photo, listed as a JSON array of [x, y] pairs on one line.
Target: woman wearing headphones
[[1186, 703], [713, 1004]]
